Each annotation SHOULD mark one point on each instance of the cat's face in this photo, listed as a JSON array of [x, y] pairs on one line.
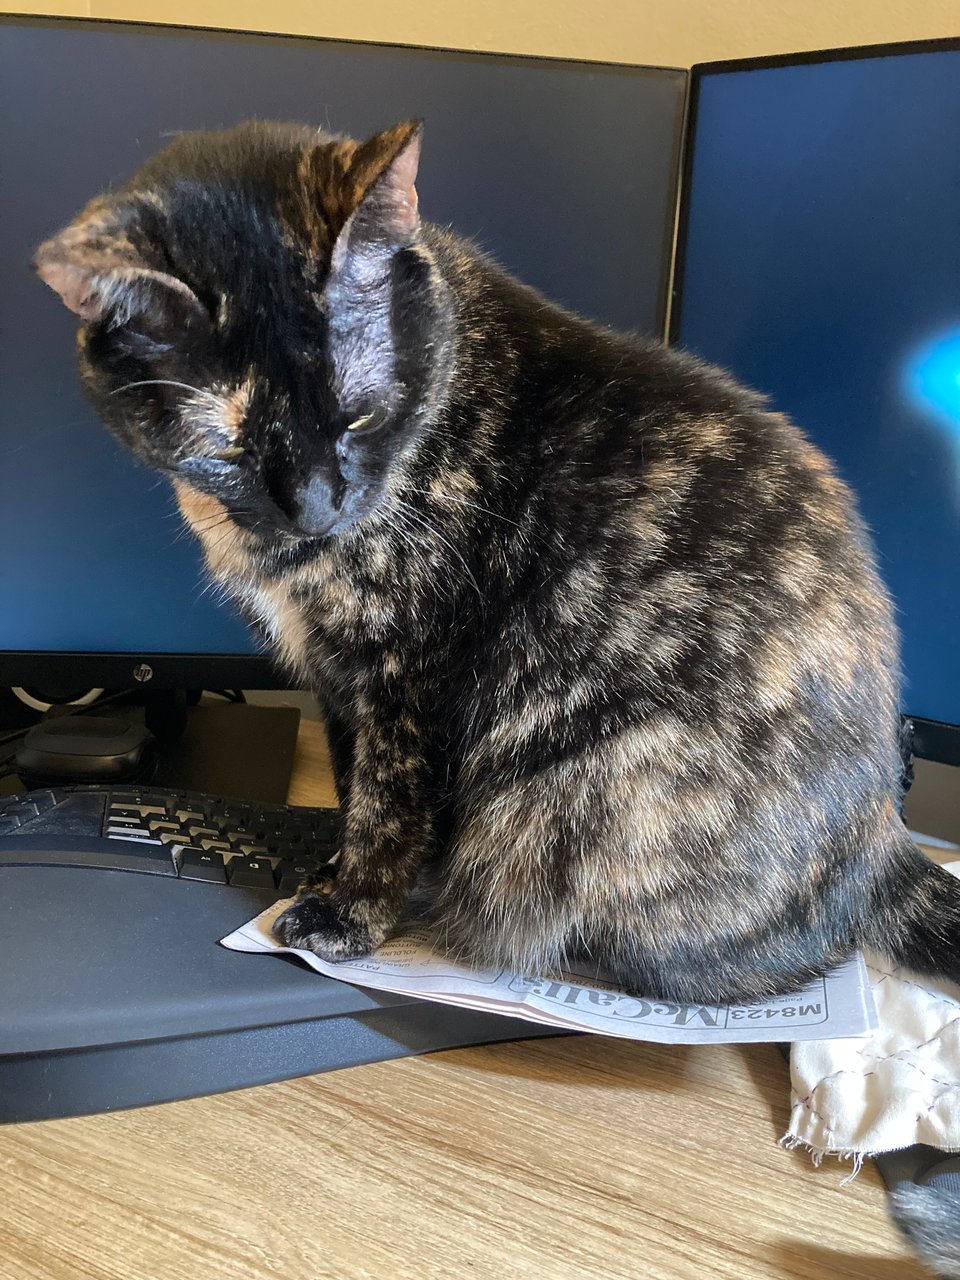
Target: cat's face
[[260, 320]]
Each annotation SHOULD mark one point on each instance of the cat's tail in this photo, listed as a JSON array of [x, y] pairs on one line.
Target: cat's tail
[[917, 925], [916, 921], [929, 1216]]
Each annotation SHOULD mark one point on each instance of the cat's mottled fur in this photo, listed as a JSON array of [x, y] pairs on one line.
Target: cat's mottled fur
[[929, 1216], [598, 636]]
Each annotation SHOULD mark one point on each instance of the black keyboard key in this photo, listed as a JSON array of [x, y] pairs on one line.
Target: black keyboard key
[[252, 850], [327, 828], [330, 817], [126, 812], [187, 815], [198, 864], [294, 832], [292, 871], [202, 833], [252, 873], [221, 846], [240, 813], [125, 831], [139, 810], [236, 831]]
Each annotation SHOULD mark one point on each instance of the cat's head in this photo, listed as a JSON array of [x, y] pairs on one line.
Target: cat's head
[[260, 318]]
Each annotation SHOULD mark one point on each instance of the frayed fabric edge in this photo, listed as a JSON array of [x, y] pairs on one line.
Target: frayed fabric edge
[[790, 1142]]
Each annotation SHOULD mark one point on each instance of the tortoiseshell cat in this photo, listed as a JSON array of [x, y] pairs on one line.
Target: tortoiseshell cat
[[598, 637]]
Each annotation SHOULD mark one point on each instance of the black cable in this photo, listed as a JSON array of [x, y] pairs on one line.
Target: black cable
[[231, 695]]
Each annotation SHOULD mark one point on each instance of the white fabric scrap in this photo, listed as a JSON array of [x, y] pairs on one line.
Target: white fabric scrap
[[897, 1086]]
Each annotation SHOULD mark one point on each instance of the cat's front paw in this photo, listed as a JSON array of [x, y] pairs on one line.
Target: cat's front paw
[[314, 923]]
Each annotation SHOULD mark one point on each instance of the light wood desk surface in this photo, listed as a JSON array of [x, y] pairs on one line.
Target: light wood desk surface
[[552, 1159]]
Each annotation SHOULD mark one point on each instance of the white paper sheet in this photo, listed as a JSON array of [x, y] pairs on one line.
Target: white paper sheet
[[414, 964]]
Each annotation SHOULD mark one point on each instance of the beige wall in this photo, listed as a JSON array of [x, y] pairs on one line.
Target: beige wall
[[662, 32]]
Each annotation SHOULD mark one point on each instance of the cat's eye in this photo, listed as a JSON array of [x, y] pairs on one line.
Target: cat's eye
[[368, 424], [365, 423]]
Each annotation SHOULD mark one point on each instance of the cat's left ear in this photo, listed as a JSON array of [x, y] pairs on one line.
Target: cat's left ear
[[383, 175], [100, 277]]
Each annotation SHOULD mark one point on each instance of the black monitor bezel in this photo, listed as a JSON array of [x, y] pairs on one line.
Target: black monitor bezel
[[701, 69], [932, 739], [37, 669]]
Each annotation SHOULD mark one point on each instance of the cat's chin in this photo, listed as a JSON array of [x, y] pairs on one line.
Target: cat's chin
[[283, 554], [292, 551]]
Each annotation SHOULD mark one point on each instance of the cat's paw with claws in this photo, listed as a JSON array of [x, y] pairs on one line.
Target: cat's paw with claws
[[315, 923]]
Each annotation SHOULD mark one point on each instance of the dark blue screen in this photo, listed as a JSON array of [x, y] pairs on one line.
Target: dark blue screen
[[822, 266], [566, 172]]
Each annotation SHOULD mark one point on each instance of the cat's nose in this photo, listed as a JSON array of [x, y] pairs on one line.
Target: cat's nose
[[318, 505]]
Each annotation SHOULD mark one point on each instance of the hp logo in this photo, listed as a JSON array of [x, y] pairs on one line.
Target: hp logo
[[142, 673]]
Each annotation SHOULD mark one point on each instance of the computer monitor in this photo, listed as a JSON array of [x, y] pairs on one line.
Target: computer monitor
[[819, 260], [564, 171]]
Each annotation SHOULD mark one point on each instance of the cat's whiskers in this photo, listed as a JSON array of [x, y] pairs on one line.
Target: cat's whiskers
[[448, 497], [408, 535], [212, 544], [414, 515], [403, 532], [214, 588], [169, 382], [442, 588], [208, 524], [229, 519]]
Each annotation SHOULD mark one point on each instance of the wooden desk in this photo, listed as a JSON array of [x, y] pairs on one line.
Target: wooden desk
[[557, 1159]]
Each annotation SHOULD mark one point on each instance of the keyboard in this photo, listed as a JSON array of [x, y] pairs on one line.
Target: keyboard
[[196, 837], [115, 992]]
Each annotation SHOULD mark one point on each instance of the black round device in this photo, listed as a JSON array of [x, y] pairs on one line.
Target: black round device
[[86, 749]]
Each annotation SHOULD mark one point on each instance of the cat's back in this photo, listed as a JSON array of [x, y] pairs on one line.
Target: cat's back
[[663, 466], [688, 547], [613, 418]]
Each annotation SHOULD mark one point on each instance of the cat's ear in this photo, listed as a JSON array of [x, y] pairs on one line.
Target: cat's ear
[[118, 295], [382, 176], [385, 171], [100, 278]]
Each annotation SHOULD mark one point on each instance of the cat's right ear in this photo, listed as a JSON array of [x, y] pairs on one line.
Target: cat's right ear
[[101, 281], [382, 194]]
